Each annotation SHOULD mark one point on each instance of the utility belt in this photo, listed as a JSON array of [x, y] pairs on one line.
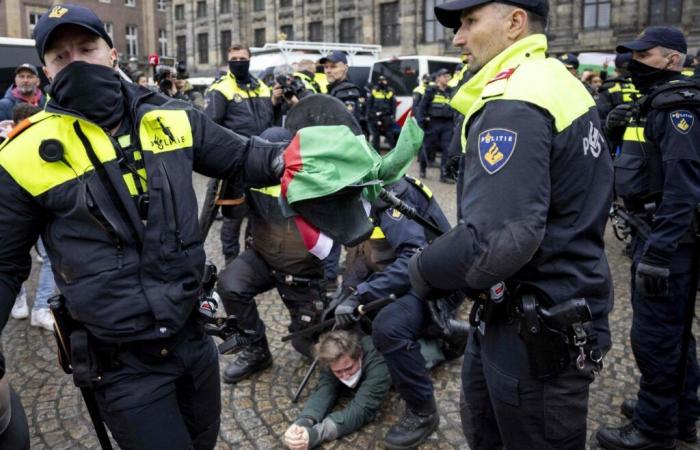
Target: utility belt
[[87, 358], [296, 281], [552, 335]]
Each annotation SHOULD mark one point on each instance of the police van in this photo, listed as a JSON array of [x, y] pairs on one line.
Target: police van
[[13, 52], [403, 73]]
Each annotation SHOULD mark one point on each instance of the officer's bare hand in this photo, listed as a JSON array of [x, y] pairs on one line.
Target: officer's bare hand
[[296, 438], [277, 94]]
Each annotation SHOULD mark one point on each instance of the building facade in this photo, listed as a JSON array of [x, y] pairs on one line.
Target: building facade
[[137, 27], [202, 30]]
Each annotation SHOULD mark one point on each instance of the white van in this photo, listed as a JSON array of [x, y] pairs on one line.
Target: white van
[[404, 73]]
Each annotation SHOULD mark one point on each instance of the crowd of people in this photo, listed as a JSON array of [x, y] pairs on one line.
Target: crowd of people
[[539, 151]]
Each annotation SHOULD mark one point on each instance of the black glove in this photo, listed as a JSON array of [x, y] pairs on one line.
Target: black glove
[[620, 116], [345, 315], [651, 279], [305, 421]]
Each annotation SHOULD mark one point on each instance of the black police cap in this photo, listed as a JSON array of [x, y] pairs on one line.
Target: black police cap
[[67, 15], [668, 37], [448, 14], [569, 60]]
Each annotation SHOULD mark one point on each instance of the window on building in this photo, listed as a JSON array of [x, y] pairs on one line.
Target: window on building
[[33, 19], [162, 42], [105, 1], [316, 31], [664, 12], [224, 6], [132, 40], [259, 37], [224, 44], [346, 32], [109, 28], [596, 14], [130, 3], [161, 5], [389, 23], [259, 5], [203, 48], [288, 31], [432, 30], [286, 3], [201, 9], [181, 48], [179, 12]]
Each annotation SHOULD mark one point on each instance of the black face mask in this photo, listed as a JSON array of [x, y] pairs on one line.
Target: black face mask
[[645, 77], [92, 90], [239, 69]]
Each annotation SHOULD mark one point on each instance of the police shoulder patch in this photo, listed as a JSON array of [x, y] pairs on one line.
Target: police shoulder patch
[[496, 146], [395, 214], [682, 121]]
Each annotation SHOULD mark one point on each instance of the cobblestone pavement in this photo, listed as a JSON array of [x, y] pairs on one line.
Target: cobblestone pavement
[[256, 412]]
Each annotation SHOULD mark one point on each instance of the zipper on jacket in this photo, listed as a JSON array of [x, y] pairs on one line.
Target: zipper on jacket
[[106, 225], [173, 204]]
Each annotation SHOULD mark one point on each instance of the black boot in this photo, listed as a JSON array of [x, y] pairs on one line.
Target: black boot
[[413, 428], [251, 359], [628, 437], [686, 433]]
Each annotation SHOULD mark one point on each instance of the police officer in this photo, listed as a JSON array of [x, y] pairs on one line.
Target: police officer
[[335, 66], [437, 121], [381, 110], [377, 268], [615, 92], [104, 176], [534, 192], [276, 258], [306, 74], [244, 104], [418, 94], [571, 63], [658, 177]]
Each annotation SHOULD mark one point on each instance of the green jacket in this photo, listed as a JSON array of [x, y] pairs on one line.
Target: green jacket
[[367, 398]]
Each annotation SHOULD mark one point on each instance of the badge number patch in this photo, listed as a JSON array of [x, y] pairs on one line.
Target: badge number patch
[[496, 146], [682, 121]]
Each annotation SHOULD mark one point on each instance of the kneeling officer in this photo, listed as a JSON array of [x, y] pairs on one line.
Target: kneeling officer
[[104, 175]]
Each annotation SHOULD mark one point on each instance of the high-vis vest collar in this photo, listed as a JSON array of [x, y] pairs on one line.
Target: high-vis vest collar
[[531, 47]]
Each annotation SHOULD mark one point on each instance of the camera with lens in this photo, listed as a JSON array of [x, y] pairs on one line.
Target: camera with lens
[[290, 86]]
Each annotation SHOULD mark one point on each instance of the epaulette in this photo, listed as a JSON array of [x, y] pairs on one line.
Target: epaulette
[[674, 94], [25, 125], [398, 189]]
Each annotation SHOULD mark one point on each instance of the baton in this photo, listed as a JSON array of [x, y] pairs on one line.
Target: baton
[[409, 212], [361, 310]]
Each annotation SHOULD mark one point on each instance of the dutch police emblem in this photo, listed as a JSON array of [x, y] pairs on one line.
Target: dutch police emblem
[[237, 98], [682, 121], [495, 148]]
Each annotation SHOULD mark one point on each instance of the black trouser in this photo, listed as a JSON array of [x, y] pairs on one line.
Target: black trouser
[[230, 237], [505, 407], [249, 275], [656, 335], [161, 399], [395, 332], [376, 130], [438, 135], [16, 435]]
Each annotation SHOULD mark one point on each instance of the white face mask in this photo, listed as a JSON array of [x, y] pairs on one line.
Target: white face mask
[[354, 379]]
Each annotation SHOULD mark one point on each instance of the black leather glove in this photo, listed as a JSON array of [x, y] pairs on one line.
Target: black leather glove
[[651, 279], [620, 117], [345, 312]]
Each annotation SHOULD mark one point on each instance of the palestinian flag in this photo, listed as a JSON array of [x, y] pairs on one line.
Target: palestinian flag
[[331, 176]]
